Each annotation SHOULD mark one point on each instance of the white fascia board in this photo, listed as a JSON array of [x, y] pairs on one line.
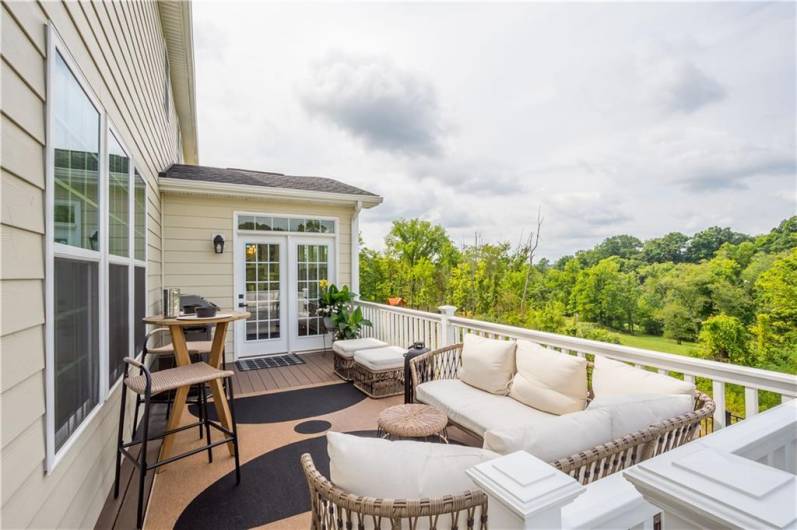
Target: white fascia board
[[244, 190]]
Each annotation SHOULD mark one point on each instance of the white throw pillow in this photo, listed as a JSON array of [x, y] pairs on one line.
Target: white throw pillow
[[401, 469], [632, 413], [554, 438], [549, 380], [488, 364], [613, 378]]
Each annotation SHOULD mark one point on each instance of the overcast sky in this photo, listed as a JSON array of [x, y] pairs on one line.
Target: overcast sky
[[613, 118]]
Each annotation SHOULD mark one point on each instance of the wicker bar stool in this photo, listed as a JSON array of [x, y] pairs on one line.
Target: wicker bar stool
[[198, 350], [148, 384]]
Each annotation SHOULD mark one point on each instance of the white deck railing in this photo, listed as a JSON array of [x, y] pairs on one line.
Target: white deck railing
[[402, 327]]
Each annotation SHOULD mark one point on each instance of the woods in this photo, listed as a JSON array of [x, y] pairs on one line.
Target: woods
[[733, 294]]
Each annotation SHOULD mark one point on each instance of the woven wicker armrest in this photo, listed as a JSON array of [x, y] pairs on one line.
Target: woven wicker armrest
[[332, 508], [438, 364]]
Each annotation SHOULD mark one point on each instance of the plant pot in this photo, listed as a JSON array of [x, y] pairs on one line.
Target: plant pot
[[329, 325]]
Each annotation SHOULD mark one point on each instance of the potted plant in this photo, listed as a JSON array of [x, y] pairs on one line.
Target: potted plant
[[348, 322], [331, 301]]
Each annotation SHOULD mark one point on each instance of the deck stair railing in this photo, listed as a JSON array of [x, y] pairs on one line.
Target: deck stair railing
[[402, 326]]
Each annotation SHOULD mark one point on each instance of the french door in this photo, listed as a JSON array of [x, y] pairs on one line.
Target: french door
[[279, 283], [262, 291]]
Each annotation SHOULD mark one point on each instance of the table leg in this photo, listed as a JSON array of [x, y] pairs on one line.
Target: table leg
[[180, 397], [181, 355], [216, 386]]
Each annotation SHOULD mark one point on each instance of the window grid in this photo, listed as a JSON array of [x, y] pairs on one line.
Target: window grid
[[266, 223], [312, 263], [262, 291]]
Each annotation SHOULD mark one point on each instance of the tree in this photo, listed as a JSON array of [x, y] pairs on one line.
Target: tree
[[725, 338], [704, 244], [669, 248], [776, 293], [780, 239], [606, 295], [679, 324]]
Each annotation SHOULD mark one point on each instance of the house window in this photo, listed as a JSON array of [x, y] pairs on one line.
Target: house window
[[96, 254], [260, 223]]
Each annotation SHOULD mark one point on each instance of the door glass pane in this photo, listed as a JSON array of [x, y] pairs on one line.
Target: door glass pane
[[139, 308], [118, 198], [262, 291], [118, 321], [76, 326], [309, 269], [140, 217], [76, 137]]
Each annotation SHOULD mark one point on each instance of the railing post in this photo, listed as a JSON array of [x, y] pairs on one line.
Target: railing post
[[524, 492], [718, 395], [446, 330]]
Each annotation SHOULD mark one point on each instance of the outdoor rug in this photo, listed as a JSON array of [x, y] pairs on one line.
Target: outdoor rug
[[271, 361], [275, 429]]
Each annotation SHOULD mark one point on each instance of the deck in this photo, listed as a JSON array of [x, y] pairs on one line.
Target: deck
[[318, 369]]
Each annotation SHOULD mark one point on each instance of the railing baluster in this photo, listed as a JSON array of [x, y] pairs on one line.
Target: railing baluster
[[750, 402], [689, 378], [718, 394]]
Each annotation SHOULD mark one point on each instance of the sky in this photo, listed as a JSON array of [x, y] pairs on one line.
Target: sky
[[609, 118]]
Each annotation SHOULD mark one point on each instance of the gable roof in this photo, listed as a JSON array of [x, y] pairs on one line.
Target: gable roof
[[269, 181]]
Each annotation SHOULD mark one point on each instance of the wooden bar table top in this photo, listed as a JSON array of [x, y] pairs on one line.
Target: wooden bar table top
[[182, 358]]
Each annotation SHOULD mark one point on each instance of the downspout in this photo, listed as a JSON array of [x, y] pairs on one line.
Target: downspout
[[355, 249]]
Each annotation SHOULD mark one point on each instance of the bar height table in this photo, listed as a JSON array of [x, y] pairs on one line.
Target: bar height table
[[182, 357]]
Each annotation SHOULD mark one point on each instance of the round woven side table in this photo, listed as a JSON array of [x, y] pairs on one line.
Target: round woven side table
[[413, 421]]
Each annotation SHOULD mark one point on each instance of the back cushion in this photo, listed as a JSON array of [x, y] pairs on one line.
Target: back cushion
[[635, 412], [549, 380], [401, 469], [613, 378], [488, 364], [554, 438]]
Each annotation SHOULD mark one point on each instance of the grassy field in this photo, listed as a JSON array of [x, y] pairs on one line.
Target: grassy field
[[652, 342]]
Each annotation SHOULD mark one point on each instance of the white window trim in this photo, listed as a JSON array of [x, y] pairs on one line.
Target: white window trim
[[55, 44]]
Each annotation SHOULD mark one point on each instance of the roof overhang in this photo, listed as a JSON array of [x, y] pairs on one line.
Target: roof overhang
[[177, 26], [195, 187]]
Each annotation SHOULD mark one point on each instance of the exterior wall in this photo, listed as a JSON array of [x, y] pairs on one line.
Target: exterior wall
[[119, 48], [191, 221]]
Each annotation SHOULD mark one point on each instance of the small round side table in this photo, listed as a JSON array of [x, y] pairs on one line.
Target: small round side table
[[413, 421]]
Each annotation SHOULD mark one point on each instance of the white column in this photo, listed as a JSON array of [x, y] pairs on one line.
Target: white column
[[355, 250], [524, 492], [446, 330], [611, 502]]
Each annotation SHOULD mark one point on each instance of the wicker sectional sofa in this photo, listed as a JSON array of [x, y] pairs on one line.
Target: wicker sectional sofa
[[488, 416]]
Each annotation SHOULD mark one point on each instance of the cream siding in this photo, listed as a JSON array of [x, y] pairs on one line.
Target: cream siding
[[119, 49], [190, 223]]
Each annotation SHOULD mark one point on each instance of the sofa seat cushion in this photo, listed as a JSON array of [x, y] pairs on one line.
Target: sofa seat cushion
[[488, 364], [387, 469], [474, 409], [346, 348], [615, 378], [549, 380], [635, 412], [554, 437], [385, 358]]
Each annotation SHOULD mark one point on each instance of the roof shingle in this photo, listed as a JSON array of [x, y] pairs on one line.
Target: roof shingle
[[260, 178]]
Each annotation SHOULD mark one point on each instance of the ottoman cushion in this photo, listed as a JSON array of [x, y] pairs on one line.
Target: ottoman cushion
[[377, 359], [346, 348]]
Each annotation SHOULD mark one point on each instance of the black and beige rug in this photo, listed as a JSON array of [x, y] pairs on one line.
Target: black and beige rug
[[275, 429]]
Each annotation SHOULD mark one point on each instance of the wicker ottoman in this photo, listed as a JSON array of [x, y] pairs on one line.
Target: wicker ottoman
[[379, 372], [344, 353], [415, 421]]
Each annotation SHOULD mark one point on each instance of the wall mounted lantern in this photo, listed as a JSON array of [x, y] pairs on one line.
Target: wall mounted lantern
[[218, 244]]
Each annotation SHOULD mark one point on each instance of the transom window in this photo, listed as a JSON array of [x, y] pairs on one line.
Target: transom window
[[261, 223]]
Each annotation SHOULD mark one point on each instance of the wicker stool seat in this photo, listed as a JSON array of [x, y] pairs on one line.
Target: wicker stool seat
[[344, 353], [413, 421], [173, 378], [195, 347], [379, 372]]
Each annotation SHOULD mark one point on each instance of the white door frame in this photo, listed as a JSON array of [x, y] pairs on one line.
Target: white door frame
[[266, 346], [316, 342], [289, 276]]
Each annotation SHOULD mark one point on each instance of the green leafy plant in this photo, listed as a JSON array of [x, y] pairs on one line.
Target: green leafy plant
[[332, 299], [348, 322]]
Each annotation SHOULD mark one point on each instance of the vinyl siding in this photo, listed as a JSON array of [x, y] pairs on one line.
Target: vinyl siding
[[119, 49], [191, 222]]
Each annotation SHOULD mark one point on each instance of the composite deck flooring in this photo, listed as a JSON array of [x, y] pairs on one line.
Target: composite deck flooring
[[317, 369]]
